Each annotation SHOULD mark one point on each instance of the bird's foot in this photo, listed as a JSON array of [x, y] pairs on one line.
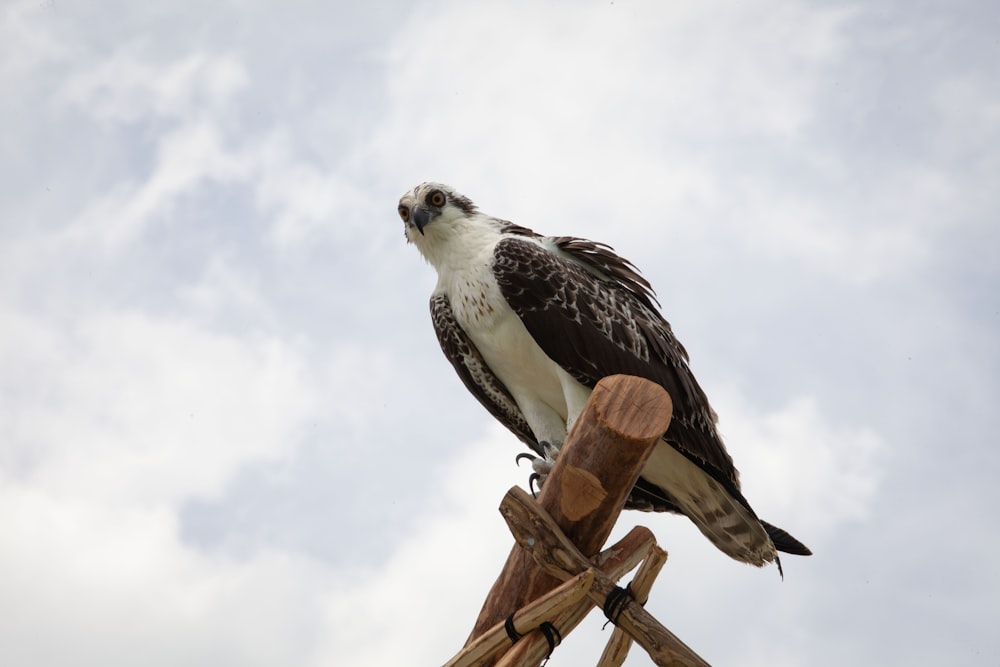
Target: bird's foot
[[540, 465]]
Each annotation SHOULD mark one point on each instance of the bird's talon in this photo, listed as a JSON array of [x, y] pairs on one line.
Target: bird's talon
[[534, 478], [524, 455]]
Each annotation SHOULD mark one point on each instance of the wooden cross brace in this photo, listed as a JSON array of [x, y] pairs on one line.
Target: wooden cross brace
[[537, 533], [564, 606]]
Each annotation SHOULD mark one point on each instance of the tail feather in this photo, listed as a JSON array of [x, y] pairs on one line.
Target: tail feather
[[672, 482], [785, 542], [727, 522]]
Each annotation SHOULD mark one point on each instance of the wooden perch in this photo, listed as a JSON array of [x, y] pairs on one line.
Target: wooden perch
[[597, 466], [538, 534]]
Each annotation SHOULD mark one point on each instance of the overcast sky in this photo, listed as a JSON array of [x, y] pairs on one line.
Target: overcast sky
[[228, 435]]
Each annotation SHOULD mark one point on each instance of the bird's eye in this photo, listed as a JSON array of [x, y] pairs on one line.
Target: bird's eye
[[404, 213], [435, 198]]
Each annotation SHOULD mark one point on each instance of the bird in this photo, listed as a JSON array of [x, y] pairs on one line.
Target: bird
[[531, 323]]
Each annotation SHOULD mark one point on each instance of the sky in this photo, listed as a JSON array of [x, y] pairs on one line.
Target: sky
[[228, 435]]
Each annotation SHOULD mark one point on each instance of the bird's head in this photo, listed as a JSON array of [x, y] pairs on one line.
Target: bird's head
[[431, 204]]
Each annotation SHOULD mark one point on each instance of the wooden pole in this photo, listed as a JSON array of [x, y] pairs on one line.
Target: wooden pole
[[593, 475], [538, 534]]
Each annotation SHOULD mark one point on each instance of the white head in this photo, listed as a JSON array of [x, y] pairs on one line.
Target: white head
[[443, 224], [428, 203]]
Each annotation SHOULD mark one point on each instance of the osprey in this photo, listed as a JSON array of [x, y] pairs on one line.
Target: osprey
[[531, 323]]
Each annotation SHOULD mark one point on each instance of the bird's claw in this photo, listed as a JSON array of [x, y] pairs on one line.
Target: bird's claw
[[541, 465], [533, 479]]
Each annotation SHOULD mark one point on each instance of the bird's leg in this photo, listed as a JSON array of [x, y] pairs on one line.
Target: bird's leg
[[540, 465]]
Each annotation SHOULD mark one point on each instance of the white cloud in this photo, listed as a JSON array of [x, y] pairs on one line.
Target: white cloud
[[197, 96], [127, 407], [799, 468], [890, 236], [26, 42], [588, 90], [223, 286], [188, 157], [427, 593], [108, 425], [114, 585], [305, 199], [114, 581], [124, 87]]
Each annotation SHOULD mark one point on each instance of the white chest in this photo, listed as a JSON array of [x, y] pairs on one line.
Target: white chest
[[549, 398], [506, 345], [483, 312]]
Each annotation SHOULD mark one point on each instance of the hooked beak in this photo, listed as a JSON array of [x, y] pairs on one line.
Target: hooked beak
[[420, 216]]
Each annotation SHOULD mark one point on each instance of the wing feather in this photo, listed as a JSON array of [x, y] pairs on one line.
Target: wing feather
[[595, 317]]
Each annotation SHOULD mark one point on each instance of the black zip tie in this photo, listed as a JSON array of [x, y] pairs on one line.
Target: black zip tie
[[615, 603], [512, 632], [553, 638]]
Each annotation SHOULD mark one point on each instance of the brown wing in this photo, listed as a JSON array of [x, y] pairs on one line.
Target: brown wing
[[593, 314]]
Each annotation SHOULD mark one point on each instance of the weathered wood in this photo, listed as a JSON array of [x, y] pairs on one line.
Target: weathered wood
[[549, 606], [538, 535], [626, 553], [617, 648], [593, 475], [614, 562]]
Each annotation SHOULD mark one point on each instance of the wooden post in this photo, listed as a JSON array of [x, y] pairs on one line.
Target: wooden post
[[593, 475]]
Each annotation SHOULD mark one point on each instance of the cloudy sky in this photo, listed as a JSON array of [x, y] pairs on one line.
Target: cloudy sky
[[228, 436]]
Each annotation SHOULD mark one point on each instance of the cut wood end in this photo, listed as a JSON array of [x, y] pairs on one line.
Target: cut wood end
[[633, 406], [582, 493]]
